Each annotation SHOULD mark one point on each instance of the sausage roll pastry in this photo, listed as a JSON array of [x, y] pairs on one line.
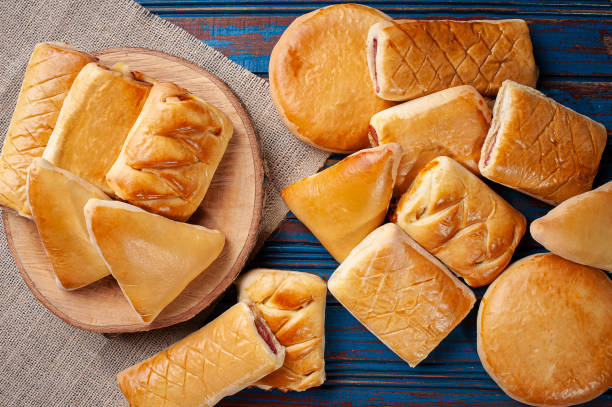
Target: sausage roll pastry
[[293, 305], [411, 58]]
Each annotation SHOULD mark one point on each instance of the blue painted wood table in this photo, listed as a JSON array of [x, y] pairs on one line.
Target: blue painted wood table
[[573, 49]]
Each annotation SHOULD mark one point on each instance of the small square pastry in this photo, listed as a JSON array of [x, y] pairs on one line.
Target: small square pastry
[[540, 147], [401, 293], [460, 220], [293, 305], [229, 354]]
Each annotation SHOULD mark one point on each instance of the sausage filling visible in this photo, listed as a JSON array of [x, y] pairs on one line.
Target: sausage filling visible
[[264, 331], [374, 50], [373, 136]]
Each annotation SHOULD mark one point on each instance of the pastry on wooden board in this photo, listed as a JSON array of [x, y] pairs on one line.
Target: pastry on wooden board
[[343, 203], [51, 70], [544, 329], [319, 78], [152, 258], [411, 58], [460, 220], [293, 305], [580, 228], [453, 122], [56, 198], [97, 115], [171, 153], [540, 147], [401, 293], [227, 355]]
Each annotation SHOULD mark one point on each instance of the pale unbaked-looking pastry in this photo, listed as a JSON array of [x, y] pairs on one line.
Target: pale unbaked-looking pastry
[[227, 355], [460, 220], [319, 77], [97, 115], [343, 203], [152, 258], [171, 153], [411, 58], [540, 147], [56, 198], [453, 122], [401, 293], [293, 305], [580, 228], [47, 80], [544, 329]]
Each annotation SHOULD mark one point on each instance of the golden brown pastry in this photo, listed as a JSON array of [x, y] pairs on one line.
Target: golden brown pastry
[[544, 329], [412, 58], [56, 198], [580, 228], [319, 77], [152, 258], [97, 115], [222, 358], [171, 153], [343, 203], [460, 220], [401, 293], [293, 305], [48, 78], [539, 147], [452, 122]]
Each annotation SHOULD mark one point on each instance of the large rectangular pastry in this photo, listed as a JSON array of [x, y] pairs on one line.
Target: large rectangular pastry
[[51, 71], [401, 293], [227, 355], [460, 220], [452, 122], [540, 147], [97, 115], [411, 58]]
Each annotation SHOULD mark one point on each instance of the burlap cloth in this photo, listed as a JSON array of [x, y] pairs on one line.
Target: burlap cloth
[[43, 361]]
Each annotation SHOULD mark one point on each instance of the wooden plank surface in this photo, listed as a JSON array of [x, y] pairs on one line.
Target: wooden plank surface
[[573, 48]]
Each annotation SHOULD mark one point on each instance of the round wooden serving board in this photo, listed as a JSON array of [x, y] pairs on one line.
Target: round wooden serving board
[[233, 205]]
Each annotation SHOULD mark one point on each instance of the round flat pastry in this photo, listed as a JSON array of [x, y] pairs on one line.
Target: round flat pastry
[[319, 78], [545, 330]]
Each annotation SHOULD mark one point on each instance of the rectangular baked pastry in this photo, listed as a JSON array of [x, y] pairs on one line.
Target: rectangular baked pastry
[[412, 58], [540, 147], [51, 70], [171, 153], [460, 220], [97, 115], [293, 305], [401, 293], [452, 122], [227, 355]]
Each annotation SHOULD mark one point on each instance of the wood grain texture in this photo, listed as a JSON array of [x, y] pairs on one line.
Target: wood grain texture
[[232, 205]]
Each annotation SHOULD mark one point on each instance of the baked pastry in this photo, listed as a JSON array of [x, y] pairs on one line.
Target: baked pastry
[[152, 258], [544, 329], [411, 58], [401, 293], [580, 228], [460, 220], [230, 353], [48, 78], [539, 147], [343, 203], [319, 77], [452, 122], [97, 115], [171, 153], [293, 305], [56, 198]]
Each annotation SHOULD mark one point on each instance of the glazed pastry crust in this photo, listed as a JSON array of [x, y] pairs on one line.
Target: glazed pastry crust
[[293, 305], [401, 293], [544, 329], [460, 220]]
